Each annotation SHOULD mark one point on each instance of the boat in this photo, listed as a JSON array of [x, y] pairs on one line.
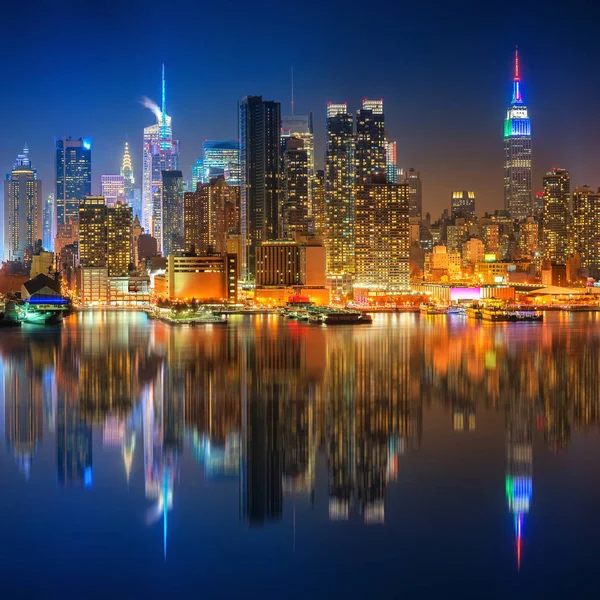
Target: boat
[[348, 317], [429, 308], [456, 310], [498, 315], [473, 312]]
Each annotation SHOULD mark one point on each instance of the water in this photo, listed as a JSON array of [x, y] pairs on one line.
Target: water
[[418, 457]]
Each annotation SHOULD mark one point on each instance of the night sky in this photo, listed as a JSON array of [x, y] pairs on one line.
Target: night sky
[[442, 68]]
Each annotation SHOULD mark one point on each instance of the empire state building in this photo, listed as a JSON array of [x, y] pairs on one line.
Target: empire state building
[[517, 154]]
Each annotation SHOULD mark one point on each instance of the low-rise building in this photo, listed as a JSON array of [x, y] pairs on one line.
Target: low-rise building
[[190, 277]]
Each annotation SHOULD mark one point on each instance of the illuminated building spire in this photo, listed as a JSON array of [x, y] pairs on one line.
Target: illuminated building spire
[[164, 98], [517, 99]]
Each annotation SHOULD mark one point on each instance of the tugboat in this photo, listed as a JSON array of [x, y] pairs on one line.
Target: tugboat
[[42, 302]]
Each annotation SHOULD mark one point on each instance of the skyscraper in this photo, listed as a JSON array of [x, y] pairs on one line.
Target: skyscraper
[[382, 236], [160, 153], [295, 186], [119, 239], [391, 161], [127, 174], [260, 125], [197, 174], [204, 217], [415, 202], [113, 189], [92, 232], [73, 178], [586, 228], [301, 127], [221, 158], [557, 199], [23, 214], [517, 154], [462, 205], [48, 232], [339, 203], [370, 156], [172, 212]]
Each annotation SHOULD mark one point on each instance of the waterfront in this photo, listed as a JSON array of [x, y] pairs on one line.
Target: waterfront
[[417, 457]]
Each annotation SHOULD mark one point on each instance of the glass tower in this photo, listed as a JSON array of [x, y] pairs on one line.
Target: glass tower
[[73, 177], [22, 210], [517, 154]]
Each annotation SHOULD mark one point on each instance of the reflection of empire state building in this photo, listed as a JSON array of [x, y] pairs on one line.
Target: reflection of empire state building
[[519, 463], [160, 153]]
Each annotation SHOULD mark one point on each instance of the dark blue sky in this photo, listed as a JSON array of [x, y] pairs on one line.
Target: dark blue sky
[[443, 69]]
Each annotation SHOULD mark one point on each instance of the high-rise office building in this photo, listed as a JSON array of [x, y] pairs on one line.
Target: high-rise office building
[[382, 236], [462, 205], [339, 202], [370, 155], [113, 189], [318, 202], [127, 174], [160, 153], [172, 212], [93, 232], [119, 239], [301, 127], [197, 174], [586, 228], [23, 211], [415, 201], [205, 217], [73, 178], [391, 162], [221, 159], [48, 232], [295, 185], [517, 154], [557, 200], [260, 125]]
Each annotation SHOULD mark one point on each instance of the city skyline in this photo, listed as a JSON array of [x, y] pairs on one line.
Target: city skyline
[[204, 105]]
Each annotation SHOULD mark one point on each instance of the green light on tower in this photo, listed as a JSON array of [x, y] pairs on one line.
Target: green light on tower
[[507, 127]]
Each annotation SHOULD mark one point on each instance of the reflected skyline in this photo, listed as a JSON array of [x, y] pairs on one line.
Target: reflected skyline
[[290, 413]]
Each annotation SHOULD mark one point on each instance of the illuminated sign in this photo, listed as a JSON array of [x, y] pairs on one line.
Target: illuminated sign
[[489, 258], [464, 293]]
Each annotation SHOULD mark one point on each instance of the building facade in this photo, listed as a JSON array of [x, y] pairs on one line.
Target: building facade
[[160, 153], [339, 201], [370, 153], [172, 212], [295, 206], [209, 216], [382, 236], [93, 243], [586, 228], [555, 229], [221, 159], [73, 178], [462, 205], [23, 210], [113, 189], [517, 154], [119, 239], [415, 203], [260, 125]]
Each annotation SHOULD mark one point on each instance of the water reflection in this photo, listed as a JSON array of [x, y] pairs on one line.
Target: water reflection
[[259, 401]]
